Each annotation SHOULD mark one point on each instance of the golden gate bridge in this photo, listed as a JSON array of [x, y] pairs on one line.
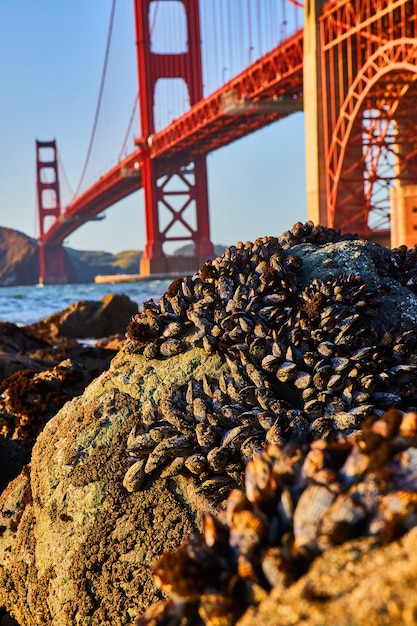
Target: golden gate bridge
[[351, 67]]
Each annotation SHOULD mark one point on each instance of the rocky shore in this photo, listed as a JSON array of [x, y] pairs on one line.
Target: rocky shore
[[247, 453], [44, 365]]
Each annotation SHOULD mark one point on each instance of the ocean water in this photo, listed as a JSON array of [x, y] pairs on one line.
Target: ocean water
[[28, 304]]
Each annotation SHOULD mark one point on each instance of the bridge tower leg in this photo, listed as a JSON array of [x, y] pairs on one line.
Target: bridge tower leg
[[313, 116], [51, 256], [404, 193], [335, 195], [178, 185]]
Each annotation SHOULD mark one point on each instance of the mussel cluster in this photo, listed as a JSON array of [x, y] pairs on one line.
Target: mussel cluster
[[305, 357], [298, 501]]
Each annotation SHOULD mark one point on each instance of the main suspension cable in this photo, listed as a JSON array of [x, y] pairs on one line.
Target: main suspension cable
[[131, 120], [64, 174], [100, 95], [136, 101]]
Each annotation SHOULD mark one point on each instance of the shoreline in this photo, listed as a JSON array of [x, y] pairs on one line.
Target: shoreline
[[101, 279]]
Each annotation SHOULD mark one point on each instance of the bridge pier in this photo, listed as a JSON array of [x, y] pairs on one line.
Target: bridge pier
[[403, 196], [314, 116], [357, 79], [339, 203], [52, 264]]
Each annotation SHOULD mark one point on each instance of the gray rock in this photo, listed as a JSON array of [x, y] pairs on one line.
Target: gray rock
[[87, 319]]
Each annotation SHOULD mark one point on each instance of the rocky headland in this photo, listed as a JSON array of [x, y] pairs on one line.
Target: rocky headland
[[248, 455], [19, 261]]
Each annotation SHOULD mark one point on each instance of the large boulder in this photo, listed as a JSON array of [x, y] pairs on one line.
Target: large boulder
[[16, 340], [75, 545], [15, 346], [87, 319], [27, 401], [297, 339], [354, 583], [36, 379]]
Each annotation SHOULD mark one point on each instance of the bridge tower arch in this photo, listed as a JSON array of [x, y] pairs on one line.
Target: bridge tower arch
[[165, 183], [51, 255], [394, 63]]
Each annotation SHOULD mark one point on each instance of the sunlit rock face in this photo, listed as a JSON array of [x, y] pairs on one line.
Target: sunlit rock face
[[292, 340]]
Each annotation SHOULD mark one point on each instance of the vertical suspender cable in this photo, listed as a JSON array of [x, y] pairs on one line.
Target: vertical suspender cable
[[229, 23], [100, 95], [216, 59], [250, 35], [155, 13], [259, 30], [271, 19], [129, 127], [275, 33], [64, 174], [283, 32], [222, 45], [241, 32]]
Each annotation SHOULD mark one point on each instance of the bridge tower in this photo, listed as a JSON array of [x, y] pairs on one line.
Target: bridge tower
[[168, 185], [349, 214], [360, 71], [51, 256]]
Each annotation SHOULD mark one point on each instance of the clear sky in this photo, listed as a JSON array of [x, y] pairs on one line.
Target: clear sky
[[51, 58]]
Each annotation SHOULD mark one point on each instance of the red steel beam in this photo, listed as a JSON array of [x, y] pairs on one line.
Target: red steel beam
[[369, 63]]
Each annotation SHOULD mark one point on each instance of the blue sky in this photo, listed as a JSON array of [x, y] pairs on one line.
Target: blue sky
[[51, 57]]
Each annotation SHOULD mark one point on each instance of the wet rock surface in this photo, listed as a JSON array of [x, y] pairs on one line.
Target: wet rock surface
[[87, 319], [41, 369], [292, 341]]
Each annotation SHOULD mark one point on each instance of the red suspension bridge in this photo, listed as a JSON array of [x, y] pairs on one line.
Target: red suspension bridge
[[352, 68]]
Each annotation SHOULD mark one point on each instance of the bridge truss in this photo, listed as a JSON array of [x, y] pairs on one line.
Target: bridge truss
[[369, 74]]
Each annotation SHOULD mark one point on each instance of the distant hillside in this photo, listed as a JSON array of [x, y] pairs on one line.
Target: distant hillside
[[83, 266], [188, 250], [19, 258], [19, 261]]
